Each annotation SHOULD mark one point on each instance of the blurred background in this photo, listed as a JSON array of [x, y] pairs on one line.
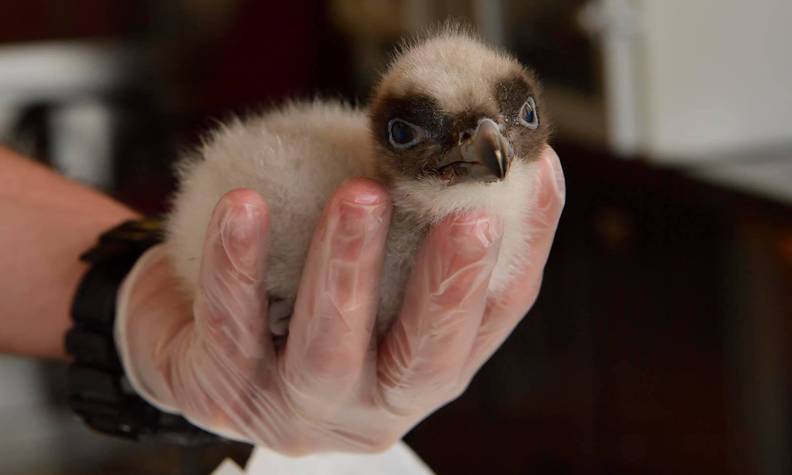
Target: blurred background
[[661, 340]]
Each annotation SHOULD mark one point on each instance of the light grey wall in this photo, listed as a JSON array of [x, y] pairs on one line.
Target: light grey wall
[[718, 75]]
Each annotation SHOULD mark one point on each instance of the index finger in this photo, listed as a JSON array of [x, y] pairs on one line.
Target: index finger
[[423, 354], [330, 329]]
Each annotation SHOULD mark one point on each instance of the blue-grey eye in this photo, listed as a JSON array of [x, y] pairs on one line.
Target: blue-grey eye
[[529, 116], [403, 134]]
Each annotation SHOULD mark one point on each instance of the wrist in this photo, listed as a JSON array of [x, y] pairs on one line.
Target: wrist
[[144, 360]]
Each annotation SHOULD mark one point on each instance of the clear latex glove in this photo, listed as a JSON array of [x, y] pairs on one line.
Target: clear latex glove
[[332, 387]]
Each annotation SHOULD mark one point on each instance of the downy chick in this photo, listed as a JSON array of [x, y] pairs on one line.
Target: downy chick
[[453, 125]]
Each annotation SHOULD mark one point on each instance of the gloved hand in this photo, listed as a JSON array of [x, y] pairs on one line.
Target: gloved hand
[[332, 387]]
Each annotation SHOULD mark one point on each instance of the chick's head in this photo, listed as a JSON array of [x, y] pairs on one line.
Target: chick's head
[[453, 110]]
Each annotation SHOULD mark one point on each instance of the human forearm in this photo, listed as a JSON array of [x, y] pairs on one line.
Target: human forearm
[[47, 221]]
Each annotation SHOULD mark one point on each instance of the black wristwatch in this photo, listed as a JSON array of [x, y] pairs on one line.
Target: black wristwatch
[[99, 391]]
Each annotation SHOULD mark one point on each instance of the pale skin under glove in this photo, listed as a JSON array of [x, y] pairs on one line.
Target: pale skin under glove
[[332, 387]]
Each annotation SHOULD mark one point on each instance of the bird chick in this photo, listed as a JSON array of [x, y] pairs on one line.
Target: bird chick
[[453, 126]]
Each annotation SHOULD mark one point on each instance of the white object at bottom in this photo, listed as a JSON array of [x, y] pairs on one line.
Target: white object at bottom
[[398, 460]]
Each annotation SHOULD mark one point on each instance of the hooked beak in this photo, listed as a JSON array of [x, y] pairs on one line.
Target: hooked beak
[[485, 154]]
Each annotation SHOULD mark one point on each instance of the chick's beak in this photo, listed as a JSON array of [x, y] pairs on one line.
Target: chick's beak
[[483, 154], [488, 147]]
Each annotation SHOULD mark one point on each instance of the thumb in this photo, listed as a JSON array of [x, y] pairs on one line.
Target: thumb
[[164, 344], [230, 305]]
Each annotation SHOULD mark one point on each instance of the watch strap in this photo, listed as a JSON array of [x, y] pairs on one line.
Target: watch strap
[[98, 388]]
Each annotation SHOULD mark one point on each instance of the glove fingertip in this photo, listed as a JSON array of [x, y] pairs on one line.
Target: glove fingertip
[[235, 238]]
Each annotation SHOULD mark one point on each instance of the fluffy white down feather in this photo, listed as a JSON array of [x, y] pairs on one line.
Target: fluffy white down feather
[[295, 158]]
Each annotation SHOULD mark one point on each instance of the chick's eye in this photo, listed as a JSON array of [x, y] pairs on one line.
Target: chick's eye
[[529, 116], [403, 134]]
